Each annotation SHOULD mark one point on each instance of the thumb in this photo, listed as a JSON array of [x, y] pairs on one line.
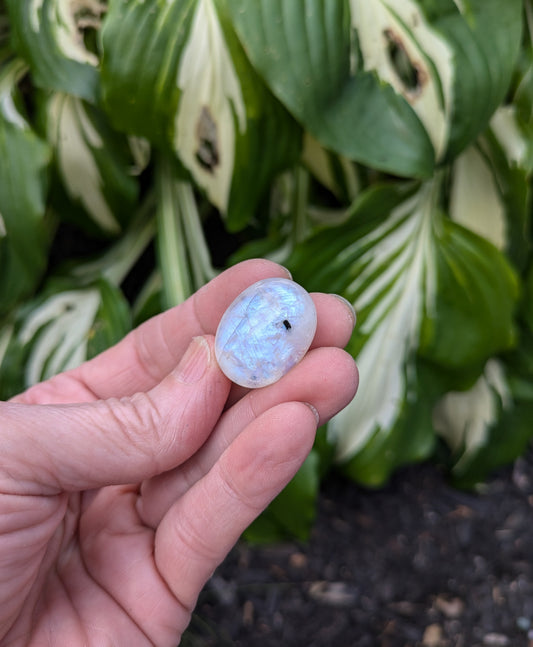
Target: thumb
[[50, 448]]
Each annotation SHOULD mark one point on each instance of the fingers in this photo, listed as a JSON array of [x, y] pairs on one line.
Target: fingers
[[326, 378], [47, 448], [335, 320], [203, 525], [148, 353]]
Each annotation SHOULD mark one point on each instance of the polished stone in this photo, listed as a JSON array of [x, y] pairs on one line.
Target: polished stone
[[265, 332]]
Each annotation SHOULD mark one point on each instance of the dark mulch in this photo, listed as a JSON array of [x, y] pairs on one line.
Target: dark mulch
[[416, 564]]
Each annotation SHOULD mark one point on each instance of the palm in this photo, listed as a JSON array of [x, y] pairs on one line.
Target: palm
[[91, 564]]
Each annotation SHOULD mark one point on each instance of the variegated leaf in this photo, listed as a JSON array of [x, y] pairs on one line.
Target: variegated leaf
[[70, 325], [336, 173], [398, 43], [464, 418], [192, 90], [94, 164], [58, 330], [485, 37], [515, 137], [489, 424], [24, 160], [415, 278], [51, 35], [308, 53], [476, 201], [377, 81]]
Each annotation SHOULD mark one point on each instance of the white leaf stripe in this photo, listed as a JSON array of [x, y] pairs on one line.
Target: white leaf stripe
[[58, 332], [387, 24], [476, 202], [211, 106], [392, 314], [75, 138], [464, 419], [61, 17], [10, 75]]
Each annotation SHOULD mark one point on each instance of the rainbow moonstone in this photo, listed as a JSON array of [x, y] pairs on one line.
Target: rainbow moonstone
[[265, 332]]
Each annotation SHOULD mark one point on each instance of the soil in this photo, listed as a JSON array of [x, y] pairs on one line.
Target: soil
[[418, 563]]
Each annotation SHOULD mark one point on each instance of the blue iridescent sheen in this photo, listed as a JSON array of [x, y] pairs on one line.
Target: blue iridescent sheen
[[265, 332]]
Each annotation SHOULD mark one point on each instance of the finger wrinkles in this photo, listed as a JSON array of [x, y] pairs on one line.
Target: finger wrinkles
[[153, 366], [131, 424]]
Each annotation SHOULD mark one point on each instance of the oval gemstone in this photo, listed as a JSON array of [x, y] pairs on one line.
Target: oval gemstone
[[265, 332]]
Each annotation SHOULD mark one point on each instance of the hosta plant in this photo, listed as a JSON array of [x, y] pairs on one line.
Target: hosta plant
[[381, 149]]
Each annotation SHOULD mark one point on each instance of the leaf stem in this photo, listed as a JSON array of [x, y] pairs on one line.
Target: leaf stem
[[301, 196], [185, 260]]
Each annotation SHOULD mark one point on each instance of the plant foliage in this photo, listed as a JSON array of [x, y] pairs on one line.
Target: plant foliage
[[382, 149]]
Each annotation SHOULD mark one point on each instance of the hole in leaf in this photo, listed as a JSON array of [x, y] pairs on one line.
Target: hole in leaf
[[207, 154], [88, 16], [408, 73]]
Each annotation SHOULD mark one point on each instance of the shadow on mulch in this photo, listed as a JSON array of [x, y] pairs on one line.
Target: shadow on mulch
[[416, 564]]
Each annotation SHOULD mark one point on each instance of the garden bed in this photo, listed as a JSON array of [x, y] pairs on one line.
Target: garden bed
[[418, 563]]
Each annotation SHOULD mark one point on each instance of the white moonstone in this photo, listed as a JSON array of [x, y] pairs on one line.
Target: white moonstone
[[265, 332]]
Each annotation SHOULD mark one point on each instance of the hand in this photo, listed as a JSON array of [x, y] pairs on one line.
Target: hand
[[125, 482]]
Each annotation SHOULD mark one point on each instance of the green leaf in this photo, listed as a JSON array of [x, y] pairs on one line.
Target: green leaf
[[68, 324], [336, 173], [94, 164], [292, 512], [477, 295], [423, 286], [486, 426], [307, 53], [52, 36], [191, 89], [485, 37], [11, 363], [112, 322], [24, 160], [476, 202], [491, 192]]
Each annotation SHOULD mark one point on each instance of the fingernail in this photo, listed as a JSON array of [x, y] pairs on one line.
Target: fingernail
[[350, 307], [315, 412], [195, 361], [289, 275]]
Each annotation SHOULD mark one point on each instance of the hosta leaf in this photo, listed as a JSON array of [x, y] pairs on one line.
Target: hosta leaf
[[11, 363], [94, 165], [351, 70], [423, 286], [67, 325], [464, 417], [485, 38], [404, 50], [476, 202], [190, 88], [337, 174], [487, 425], [490, 191], [307, 53], [514, 136], [24, 159], [52, 36]]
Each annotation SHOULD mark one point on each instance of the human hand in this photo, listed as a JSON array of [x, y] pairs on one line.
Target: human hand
[[125, 482]]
